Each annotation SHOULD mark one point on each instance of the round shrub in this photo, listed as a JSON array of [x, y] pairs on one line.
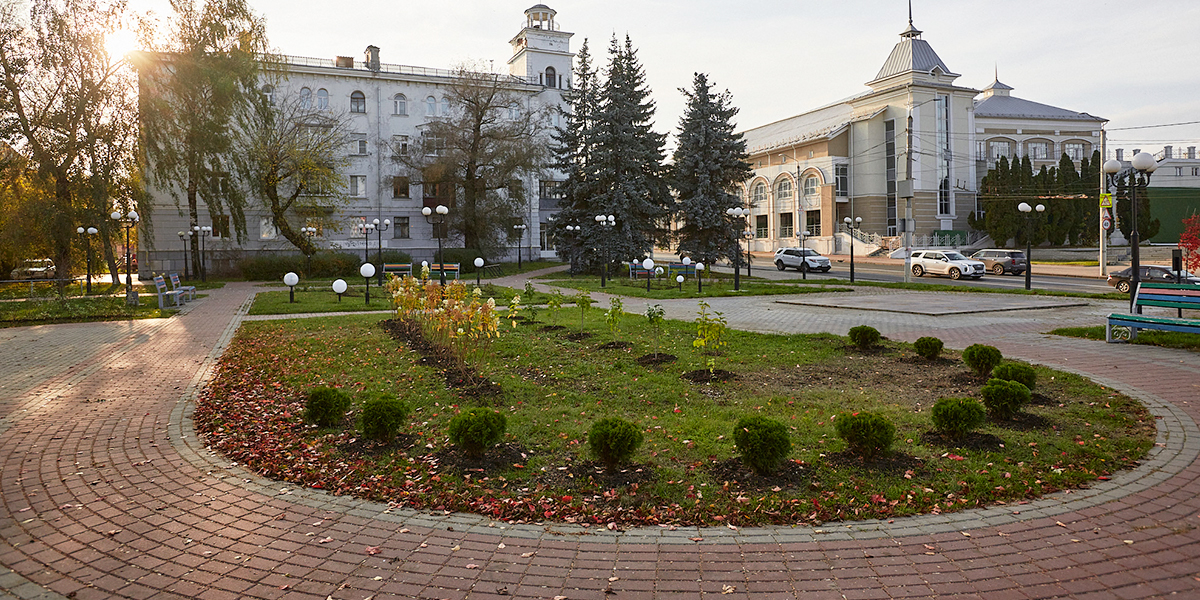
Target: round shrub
[[956, 417], [1016, 372], [762, 442], [866, 434], [477, 429], [326, 406], [613, 441], [1003, 398], [864, 336], [982, 359], [383, 417], [928, 347]]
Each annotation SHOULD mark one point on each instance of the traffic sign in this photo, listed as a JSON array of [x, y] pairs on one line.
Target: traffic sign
[[1106, 201]]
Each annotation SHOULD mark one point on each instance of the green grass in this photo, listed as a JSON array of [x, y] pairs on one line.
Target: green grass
[[77, 310], [553, 389], [1148, 337], [321, 299], [663, 289]]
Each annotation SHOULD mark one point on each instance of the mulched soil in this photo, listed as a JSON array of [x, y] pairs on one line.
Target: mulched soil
[[890, 462], [497, 459], [468, 382], [706, 376], [365, 447], [553, 328], [615, 346], [652, 359], [790, 474], [580, 474], [579, 336], [974, 440]]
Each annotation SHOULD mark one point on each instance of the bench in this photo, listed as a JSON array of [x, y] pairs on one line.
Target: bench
[[447, 268], [688, 270], [636, 272], [398, 269], [1123, 327], [187, 292], [493, 270], [161, 284]]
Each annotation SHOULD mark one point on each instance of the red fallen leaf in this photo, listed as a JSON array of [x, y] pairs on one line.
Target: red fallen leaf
[[325, 540], [878, 498], [372, 550], [567, 498], [697, 539], [955, 457]]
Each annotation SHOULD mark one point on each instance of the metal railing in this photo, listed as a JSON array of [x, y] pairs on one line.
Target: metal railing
[[933, 240], [309, 61]]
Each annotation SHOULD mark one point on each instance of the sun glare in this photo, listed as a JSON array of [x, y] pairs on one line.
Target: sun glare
[[120, 43]]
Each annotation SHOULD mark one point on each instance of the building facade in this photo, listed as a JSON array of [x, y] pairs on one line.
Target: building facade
[[386, 109]]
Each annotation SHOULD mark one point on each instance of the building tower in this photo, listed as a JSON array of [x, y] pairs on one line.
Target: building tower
[[541, 52]]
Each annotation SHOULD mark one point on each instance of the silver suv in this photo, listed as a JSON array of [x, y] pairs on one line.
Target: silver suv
[[1002, 261], [801, 259], [945, 262]]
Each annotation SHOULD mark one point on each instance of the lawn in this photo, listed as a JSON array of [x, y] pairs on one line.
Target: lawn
[[321, 299], [552, 384], [1148, 337], [77, 310]]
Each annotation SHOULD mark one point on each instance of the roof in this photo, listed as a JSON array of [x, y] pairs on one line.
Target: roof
[[1013, 107], [821, 123], [911, 54]]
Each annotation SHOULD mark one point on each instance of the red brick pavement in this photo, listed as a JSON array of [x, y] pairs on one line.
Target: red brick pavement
[[96, 501]]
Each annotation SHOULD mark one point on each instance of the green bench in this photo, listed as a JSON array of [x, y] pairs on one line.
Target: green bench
[[1124, 327], [447, 268], [398, 269]]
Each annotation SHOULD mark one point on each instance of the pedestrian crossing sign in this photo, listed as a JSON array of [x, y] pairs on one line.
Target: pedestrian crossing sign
[[1105, 200]]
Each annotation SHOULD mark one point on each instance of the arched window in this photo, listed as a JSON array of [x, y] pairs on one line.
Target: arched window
[[305, 98], [783, 189], [812, 191], [358, 102], [551, 77], [431, 106], [445, 107], [759, 196], [269, 91], [322, 99], [399, 105]]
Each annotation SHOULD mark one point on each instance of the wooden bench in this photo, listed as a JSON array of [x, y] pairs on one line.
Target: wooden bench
[[398, 269], [187, 292], [447, 268], [688, 270], [161, 284], [636, 272], [1123, 327]]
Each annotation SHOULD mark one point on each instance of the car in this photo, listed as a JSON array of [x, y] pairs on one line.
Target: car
[[1155, 273], [1000, 261], [945, 262], [801, 259], [34, 268]]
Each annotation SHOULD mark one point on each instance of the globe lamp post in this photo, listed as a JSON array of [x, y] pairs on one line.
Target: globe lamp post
[[1143, 165], [1028, 210]]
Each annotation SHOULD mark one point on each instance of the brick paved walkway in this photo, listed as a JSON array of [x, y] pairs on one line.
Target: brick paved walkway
[[106, 493]]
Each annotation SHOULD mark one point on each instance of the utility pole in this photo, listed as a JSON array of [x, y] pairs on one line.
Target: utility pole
[[1103, 190], [905, 190]]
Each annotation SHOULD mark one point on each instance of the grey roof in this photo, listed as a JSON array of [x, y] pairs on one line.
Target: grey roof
[[996, 85], [815, 124], [911, 54], [1013, 107]]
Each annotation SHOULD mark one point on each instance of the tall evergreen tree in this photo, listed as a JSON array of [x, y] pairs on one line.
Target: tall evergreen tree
[[709, 160], [572, 155]]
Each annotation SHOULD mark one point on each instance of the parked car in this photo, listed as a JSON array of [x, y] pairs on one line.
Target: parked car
[[1155, 273], [945, 262], [801, 259], [35, 268], [1001, 261]]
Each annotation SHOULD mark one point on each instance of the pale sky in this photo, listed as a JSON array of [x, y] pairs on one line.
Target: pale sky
[[1133, 63]]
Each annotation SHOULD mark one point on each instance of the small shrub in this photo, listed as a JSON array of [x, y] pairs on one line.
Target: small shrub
[[928, 347], [866, 434], [613, 441], [982, 359], [383, 417], [326, 407], [1016, 372], [762, 442], [477, 429], [956, 417], [1003, 398], [864, 336]]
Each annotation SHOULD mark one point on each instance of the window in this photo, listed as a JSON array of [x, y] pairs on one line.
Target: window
[[358, 186], [400, 105], [430, 106], [783, 190], [550, 190], [889, 154], [399, 145], [401, 231], [266, 228], [812, 191], [812, 222], [980, 150], [432, 144], [1074, 151], [786, 228], [400, 187], [220, 226], [841, 180], [269, 92], [945, 196], [437, 192], [358, 102], [305, 98], [445, 110], [1039, 150], [760, 194], [322, 99], [998, 149], [1195, 171], [551, 77], [358, 144], [761, 229], [1179, 171]]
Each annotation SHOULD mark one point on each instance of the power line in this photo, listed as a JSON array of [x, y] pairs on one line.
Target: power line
[[1152, 126]]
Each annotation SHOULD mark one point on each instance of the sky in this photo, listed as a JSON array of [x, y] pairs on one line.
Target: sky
[[1134, 64]]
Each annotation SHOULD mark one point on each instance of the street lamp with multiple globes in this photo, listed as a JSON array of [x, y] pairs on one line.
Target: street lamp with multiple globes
[[379, 229], [1144, 165], [184, 236], [607, 221], [738, 212], [128, 221], [87, 249], [203, 232], [803, 256], [311, 232], [1025, 208], [437, 218], [364, 228], [520, 229], [852, 225], [573, 229]]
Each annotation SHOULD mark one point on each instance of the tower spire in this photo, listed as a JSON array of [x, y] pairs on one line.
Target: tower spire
[[910, 32], [910, 13]]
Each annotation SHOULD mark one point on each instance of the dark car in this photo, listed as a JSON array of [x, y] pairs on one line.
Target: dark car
[[1148, 273], [1002, 261]]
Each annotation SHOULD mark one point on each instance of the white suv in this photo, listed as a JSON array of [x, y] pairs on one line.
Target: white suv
[[802, 259], [948, 262]]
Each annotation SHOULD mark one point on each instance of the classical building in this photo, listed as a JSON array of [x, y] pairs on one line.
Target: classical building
[[386, 108]]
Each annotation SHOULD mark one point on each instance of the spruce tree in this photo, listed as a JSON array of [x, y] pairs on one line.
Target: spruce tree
[[572, 156], [710, 159]]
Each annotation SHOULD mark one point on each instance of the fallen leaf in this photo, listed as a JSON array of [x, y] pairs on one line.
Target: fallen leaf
[[325, 540], [1127, 541], [727, 589], [372, 550], [501, 546], [1060, 523], [528, 554], [472, 566], [697, 539], [613, 578], [965, 534], [455, 549]]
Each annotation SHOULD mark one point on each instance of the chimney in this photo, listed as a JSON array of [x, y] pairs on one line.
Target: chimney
[[1167, 151], [1192, 152], [344, 62], [1120, 154], [372, 58]]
